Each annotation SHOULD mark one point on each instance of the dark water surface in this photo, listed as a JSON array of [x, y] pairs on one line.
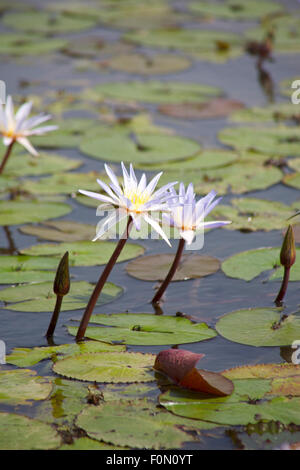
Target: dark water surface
[[206, 299]]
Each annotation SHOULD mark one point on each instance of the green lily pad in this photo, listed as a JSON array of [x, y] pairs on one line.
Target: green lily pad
[[236, 9], [21, 387], [43, 22], [65, 183], [270, 438], [22, 433], [41, 298], [20, 212], [142, 148], [60, 231], [251, 214], [156, 267], [138, 424], [209, 45], [27, 357], [273, 113], [259, 327], [292, 180], [95, 47], [107, 367], [286, 86], [6, 184], [215, 108], [85, 253], [18, 269], [281, 141], [85, 443], [146, 329], [157, 92], [46, 163], [20, 44], [247, 265], [237, 178], [142, 64]]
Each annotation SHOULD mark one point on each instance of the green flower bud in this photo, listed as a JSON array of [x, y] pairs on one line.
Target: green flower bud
[[61, 284], [288, 249]]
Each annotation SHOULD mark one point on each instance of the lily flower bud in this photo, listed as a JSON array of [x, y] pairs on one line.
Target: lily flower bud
[[288, 249], [61, 284]]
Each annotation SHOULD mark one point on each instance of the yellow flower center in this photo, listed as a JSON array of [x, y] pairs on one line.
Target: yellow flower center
[[137, 199]]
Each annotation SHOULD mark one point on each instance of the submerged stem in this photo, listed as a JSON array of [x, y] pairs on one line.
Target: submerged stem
[[7, 154], [100, 284], [283, 287], [171, 273]]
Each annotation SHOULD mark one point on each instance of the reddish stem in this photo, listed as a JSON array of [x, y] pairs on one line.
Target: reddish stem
[[54, 318], [170, 274], [100, 284], [283, 287], [7, 154]]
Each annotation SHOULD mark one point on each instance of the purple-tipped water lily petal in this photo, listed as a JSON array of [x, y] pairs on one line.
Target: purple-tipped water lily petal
[[98, 196], [25, 142]]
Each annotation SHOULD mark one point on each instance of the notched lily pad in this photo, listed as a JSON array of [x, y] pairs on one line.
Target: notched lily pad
[[216, 108], [21, 212], [156, 267], [20, 269], [236, 9], [21, 387], [60, 231], [45, 163], [20, 44], [143, 64]]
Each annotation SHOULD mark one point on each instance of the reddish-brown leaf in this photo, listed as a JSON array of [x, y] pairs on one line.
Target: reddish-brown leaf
[[219, 107]]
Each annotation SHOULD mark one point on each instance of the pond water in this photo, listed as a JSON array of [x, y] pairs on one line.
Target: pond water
[[205, 299]]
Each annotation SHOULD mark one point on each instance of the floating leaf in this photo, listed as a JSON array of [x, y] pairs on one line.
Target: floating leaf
[[180, 366], [143, 148], [158, 92], [20, 44], [272, 113], [85, 253], [143, 64], [20, 268], [85, 443], [19, 212], [156, 267], [138, 424], [46, 163], [286, 86], [236, 9], [27, 357], [219, 107], [292, 180], [251, 214], [145, 329], [259, 327], [60, 231], [43, 22], [22, 433], [6, 183], [20, 387], [210, 45], [95, 47], [107, 367], [40, 297], [249, 264], [281, 141]]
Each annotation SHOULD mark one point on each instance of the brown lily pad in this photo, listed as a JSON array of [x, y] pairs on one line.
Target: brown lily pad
[[156, 267], [219, 107]]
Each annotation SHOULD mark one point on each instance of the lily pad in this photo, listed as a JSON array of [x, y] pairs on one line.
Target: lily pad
[[21, 387], [43, 22], [60, 231], [259, 327], [46, 163], [146, 329], [107, 367], [41, 298], [281, 141], [158, 92], [210, 45], [286, 86], [20, 212], [6, 184], [138, 424], [27, 357], [85, 253], [156, 267], [20, 44], [143, 148], [22, 433], [85, 443], [20, 268], [273, 113], [143, 64], [216, 108], [292, 180], [236, 9], [247, 265], [95, 47], [251, 214]]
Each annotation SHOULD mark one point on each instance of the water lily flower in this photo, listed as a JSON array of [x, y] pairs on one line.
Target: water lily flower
[[17, 127], [133, 200], [187, 216], [136, 199]]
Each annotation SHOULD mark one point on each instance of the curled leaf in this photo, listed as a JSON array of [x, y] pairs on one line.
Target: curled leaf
[[180, 366]]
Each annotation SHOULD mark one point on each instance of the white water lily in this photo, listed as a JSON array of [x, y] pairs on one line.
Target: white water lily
[[18, 127], [133, 198], [188, 216]]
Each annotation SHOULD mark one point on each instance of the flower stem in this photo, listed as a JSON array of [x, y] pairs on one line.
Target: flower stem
[[283, 287], [54, 318], [170, 274], [100, 284], [7, 154]]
